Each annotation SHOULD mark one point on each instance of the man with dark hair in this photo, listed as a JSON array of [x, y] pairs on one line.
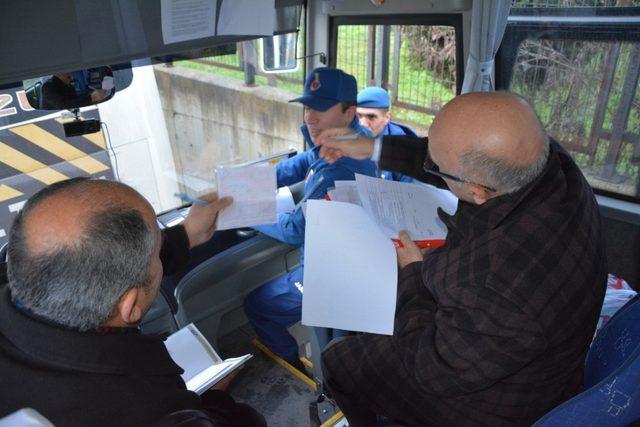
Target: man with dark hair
[[493, 327], [58, 93], [85, 261], [329, 100]]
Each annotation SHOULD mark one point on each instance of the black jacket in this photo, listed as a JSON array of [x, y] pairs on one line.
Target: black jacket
[[89, 379]]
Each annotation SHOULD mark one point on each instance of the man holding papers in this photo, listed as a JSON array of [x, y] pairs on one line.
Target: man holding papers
[[329, 101], [493, 327], [86, 258]]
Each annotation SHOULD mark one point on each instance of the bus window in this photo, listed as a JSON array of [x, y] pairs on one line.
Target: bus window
[[418, 64], [579, 68]]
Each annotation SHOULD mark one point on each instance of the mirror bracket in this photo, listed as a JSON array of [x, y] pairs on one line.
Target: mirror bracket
[[323, 57]]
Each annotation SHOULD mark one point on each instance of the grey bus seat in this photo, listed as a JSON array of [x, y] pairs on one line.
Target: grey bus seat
[[216, 288]]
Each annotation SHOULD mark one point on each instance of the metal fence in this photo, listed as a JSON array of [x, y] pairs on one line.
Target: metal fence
[[416, 63], [586, 94]]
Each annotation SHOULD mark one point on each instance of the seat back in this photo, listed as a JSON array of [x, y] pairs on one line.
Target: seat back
[[216, 289], [612, 377]]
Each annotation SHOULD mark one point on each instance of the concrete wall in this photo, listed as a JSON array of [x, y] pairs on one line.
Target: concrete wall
[[214, 119]]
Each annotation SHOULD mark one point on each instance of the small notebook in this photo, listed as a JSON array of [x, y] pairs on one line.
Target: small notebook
[[203, 367]]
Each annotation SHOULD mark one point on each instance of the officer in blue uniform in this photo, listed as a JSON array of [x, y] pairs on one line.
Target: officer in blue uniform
[[329, 101], [374, 114]]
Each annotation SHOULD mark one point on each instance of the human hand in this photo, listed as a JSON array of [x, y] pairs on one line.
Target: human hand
[[224, 383], [409, 252], [200, 223], [332, 149], [98, 95]]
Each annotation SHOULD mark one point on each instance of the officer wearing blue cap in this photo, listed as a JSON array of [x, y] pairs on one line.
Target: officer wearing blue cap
[[329, 100], [374, 114]]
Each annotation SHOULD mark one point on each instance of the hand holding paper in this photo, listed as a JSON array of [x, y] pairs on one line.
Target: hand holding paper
[[409, 252], [253, 188]]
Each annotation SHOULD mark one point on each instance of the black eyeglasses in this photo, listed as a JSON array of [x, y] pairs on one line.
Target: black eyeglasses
[[431, 168]]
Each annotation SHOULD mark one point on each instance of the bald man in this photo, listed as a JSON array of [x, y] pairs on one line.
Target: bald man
[[86, 258], [493, 328]]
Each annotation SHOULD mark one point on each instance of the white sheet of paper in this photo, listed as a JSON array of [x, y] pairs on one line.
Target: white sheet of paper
[[399, 206], [253, 189], [191, 351], [247, 17], [350, 272], [284, 200], [184, 20]]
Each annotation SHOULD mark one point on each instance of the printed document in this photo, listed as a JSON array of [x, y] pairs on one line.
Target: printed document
[[253, 188], [202, 366], [184, 20], [345, 191], [412, 207], [350, 272]]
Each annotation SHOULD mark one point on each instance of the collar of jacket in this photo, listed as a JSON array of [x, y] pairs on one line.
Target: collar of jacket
[[472, 220], [48, 345], [355, 125]]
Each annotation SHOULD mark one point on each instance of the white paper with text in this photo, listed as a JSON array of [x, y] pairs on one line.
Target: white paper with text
[[412, 207], [253, 189], [184, 20]]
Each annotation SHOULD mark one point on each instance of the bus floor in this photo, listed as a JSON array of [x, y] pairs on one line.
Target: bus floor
[[276, 390]]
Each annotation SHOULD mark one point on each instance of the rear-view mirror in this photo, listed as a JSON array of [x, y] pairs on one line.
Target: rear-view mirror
[[279, 53], [76, 89]]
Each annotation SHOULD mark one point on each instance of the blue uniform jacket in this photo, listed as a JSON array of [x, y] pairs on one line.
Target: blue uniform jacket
[[310, 167], [393, 128]]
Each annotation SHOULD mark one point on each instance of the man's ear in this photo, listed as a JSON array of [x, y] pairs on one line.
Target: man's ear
[[350, 114], [480, 194], [129, 308], [388, 115]]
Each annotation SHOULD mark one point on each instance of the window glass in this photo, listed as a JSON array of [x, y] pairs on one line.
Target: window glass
[[586, 95], [224, 109], [415, 63]]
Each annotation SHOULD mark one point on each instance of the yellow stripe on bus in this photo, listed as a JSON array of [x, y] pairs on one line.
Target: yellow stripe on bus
[[7, 193], [60, 148], [96, 138], [284, 364], [29, 166]]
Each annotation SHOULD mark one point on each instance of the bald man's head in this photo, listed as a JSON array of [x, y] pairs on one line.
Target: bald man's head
[[59, 215], [492, 138], [76, 247]]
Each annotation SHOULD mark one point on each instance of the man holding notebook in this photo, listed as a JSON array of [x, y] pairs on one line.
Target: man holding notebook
[[329, 101], [85, 261], [493, 327]]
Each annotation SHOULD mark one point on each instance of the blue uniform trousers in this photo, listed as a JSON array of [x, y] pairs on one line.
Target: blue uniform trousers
[[272, 308]]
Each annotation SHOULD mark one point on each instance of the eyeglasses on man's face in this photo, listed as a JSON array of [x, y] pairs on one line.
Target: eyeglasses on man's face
[[431, 168]]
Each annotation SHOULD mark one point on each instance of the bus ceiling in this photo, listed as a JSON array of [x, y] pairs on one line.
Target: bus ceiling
[[45, 38]]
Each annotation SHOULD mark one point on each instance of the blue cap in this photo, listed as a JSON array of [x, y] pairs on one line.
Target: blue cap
[[325, 87], [373, 97]]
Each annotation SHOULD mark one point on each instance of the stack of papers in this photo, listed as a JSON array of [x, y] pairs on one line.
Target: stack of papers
[[203, 367], [350, 273], [397, 206]]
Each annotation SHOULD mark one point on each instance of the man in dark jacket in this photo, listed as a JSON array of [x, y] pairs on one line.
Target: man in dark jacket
[[493, 327], [86, 259]]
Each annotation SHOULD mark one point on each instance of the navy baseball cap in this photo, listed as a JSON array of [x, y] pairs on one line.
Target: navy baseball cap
[[325, 87], [373, 97]]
